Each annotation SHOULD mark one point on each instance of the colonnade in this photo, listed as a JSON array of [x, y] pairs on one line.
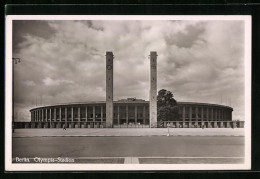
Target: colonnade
[[204, 113], [124, 114], [92, 113]]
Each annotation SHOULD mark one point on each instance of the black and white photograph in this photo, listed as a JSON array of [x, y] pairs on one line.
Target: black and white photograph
[[86, 93]]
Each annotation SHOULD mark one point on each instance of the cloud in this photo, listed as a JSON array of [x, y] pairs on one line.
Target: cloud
[[64, 61], [29, 83], [50, 82]]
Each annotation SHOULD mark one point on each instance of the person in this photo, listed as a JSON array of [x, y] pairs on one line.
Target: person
[[168, 125], [202, 126], [64, 127]]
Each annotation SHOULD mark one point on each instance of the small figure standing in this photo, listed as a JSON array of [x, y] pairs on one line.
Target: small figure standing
[[168, 126], [64, 127]]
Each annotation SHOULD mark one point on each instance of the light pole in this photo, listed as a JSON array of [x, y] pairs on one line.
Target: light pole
[[15, 61]]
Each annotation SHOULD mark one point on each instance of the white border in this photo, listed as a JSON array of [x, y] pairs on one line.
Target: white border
[[9, 166]]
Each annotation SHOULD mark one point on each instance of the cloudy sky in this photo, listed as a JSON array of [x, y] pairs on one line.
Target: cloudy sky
[[64, 61]]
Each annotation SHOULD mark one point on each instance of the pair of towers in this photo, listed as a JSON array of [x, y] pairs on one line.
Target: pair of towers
[[109, 88]]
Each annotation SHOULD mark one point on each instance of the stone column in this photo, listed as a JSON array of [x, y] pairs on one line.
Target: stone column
[[227, 115], [135, 114], [228, 124], [50, 114], [94, 114], [55, 114], [78, 113], [220, 114], [39, 115], [66, 114], [101, 112], [216, 114], [144, 115], [212, 114], [42, 115], [109, 88], [126, 110], [190, 114], [207, 115], [60, 114], [42, 118], [32, 116], [86, 114], [202, 113], [50, 120], [153, 88], [183, 113], [118, 115], [215, 124], [196, 111], [72, 115], [46, 114]]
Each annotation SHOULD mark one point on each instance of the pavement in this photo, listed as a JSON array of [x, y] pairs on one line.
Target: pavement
[[133, 150], [127, 132]]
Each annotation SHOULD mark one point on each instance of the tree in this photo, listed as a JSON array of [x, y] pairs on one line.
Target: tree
[[167, 109]]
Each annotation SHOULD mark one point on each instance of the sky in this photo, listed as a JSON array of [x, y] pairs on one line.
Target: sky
[[64, 61]]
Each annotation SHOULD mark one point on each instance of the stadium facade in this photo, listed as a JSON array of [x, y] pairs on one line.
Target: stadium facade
[[129, 112]]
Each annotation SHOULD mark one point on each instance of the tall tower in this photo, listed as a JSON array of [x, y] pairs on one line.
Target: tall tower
[[109, 88], [153, 88]]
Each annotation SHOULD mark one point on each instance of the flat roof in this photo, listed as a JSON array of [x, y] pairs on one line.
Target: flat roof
[[129, 102]]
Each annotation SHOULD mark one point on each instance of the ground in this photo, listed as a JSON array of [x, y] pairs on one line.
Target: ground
[[133, 145], [130, 132]]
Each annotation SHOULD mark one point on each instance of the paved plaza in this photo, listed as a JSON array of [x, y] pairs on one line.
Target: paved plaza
[[176, 149], [129, 132], [144, 146]]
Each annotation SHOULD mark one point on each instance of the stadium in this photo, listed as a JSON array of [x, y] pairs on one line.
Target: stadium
[[130, 112]]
